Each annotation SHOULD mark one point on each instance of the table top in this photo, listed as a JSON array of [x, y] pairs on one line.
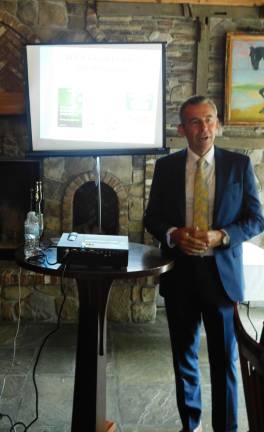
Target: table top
[[253, 255], [143, 260], [253, 263]]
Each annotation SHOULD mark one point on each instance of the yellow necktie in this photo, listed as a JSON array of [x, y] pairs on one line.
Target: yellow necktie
[[200, 206]]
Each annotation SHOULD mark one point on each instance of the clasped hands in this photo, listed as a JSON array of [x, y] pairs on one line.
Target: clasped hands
[[193, 241]]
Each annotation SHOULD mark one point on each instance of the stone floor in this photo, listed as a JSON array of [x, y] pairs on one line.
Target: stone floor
[[140, 388]]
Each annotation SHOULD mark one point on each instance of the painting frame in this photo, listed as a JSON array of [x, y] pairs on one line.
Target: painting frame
[[244, 79]]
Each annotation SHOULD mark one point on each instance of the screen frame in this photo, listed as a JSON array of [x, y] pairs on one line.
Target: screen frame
[[33, 153]]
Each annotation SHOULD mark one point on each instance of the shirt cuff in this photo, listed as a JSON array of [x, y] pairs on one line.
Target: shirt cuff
[[168, 237], [225, 239]]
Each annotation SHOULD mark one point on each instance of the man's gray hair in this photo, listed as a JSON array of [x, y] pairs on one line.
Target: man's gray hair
[[196, 100]]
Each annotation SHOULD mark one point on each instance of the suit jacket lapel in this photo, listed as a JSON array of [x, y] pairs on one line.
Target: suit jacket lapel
[[220, 181], [180, 184]]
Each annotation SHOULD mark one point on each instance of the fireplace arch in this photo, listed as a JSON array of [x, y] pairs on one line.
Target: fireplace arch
[[106, 178]]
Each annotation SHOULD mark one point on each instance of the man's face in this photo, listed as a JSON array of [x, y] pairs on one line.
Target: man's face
[[199, 127]]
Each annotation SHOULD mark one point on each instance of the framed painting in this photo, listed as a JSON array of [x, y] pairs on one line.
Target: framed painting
[[244, 85]]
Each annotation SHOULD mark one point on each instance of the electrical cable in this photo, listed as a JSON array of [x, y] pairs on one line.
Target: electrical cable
[[8, 417], [57, 327], [41, 258], [14, 344], [50, 263], [42, 346], [247, 304]]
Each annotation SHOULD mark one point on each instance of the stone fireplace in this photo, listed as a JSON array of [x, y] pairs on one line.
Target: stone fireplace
[[132, 300], [68, 187], [80, 203], [94, 210]]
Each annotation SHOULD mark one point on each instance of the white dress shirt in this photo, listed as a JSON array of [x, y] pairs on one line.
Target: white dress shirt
[[191, 166]]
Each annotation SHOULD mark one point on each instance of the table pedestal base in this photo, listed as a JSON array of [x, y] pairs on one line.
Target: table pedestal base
[[89, 398], [94, 284], [110, 426]]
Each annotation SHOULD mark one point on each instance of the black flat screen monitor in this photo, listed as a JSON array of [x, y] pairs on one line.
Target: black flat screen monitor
[[96, 98]]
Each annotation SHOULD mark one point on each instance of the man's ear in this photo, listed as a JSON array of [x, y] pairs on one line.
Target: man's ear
[[219, 130], [181, 129]]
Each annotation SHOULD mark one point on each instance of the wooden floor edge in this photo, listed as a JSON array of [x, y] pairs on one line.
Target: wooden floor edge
[[110, 426]]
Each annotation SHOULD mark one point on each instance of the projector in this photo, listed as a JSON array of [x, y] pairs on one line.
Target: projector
[[93, 250]]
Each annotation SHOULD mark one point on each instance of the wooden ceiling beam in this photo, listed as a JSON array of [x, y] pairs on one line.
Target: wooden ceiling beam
[[106, 7], [250, 3]]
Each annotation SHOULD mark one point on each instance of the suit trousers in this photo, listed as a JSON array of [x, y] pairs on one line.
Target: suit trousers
[[193, 292]]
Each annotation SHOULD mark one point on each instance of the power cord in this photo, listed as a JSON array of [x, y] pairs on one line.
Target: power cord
[[14, 345], [57, 327], [8, 417], [247, 304], [42, 257]]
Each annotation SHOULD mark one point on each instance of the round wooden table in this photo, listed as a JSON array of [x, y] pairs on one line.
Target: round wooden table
[[94, 284]]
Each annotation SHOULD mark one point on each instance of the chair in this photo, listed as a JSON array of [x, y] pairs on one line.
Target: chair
[[251, 355]]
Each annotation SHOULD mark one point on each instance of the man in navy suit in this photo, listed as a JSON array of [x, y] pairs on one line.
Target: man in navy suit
[[208, 276]]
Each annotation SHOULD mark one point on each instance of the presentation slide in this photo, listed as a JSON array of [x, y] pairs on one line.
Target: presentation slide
[[97, 96]]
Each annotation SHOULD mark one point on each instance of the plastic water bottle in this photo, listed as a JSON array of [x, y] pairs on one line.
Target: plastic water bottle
[[31, 235]]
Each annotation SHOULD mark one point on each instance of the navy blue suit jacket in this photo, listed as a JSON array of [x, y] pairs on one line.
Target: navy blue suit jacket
[[237, 210]]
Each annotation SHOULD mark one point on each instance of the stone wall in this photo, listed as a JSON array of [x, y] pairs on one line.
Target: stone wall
[[76, 20]]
